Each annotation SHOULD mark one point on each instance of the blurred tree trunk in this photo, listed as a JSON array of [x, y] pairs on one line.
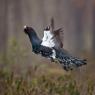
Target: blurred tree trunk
[[78, 18], [94, 29], [3, 26], [17, 17], [88, 25], [78, 33]]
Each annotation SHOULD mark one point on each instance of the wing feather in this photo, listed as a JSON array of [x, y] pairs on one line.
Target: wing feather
[[58, 34]]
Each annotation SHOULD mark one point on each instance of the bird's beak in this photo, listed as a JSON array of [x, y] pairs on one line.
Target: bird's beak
[[25, 29], [25, 26]]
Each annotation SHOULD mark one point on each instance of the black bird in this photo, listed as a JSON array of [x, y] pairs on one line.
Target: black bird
[[67, 61]]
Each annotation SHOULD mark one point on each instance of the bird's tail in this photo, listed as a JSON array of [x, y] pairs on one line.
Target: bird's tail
[[68, 62]]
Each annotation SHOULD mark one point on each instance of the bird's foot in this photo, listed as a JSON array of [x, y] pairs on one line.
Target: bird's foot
[[56, 61], [52, 60]]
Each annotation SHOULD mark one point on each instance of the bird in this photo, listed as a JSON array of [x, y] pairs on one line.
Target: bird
[[66, 60]]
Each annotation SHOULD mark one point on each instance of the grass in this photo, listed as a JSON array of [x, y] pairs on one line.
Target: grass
[[41, 79], [36, 85]]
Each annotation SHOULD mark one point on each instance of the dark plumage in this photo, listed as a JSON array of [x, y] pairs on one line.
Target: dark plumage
[[36, 43], [67, 61]]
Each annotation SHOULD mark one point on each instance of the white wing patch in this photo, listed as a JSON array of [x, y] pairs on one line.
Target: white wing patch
[[53, 38], [48, 40]]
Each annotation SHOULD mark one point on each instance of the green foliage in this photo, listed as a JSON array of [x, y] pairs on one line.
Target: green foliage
[[91, 86], [39, 85]]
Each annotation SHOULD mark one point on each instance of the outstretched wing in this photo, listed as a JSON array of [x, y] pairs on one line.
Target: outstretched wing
[[58, 34]]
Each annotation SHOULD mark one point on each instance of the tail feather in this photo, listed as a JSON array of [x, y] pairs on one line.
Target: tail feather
[[68, 61]]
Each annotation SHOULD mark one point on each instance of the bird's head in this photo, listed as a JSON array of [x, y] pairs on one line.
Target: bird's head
[[28, 29], [32, 35], [47, 28]]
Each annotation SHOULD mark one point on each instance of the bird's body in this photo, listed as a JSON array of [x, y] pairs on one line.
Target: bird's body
[[59, 54]]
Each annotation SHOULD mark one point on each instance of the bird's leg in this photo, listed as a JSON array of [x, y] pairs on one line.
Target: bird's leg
[[52, 60]]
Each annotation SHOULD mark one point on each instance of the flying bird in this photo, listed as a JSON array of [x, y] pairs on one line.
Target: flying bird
[[50, 50]]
